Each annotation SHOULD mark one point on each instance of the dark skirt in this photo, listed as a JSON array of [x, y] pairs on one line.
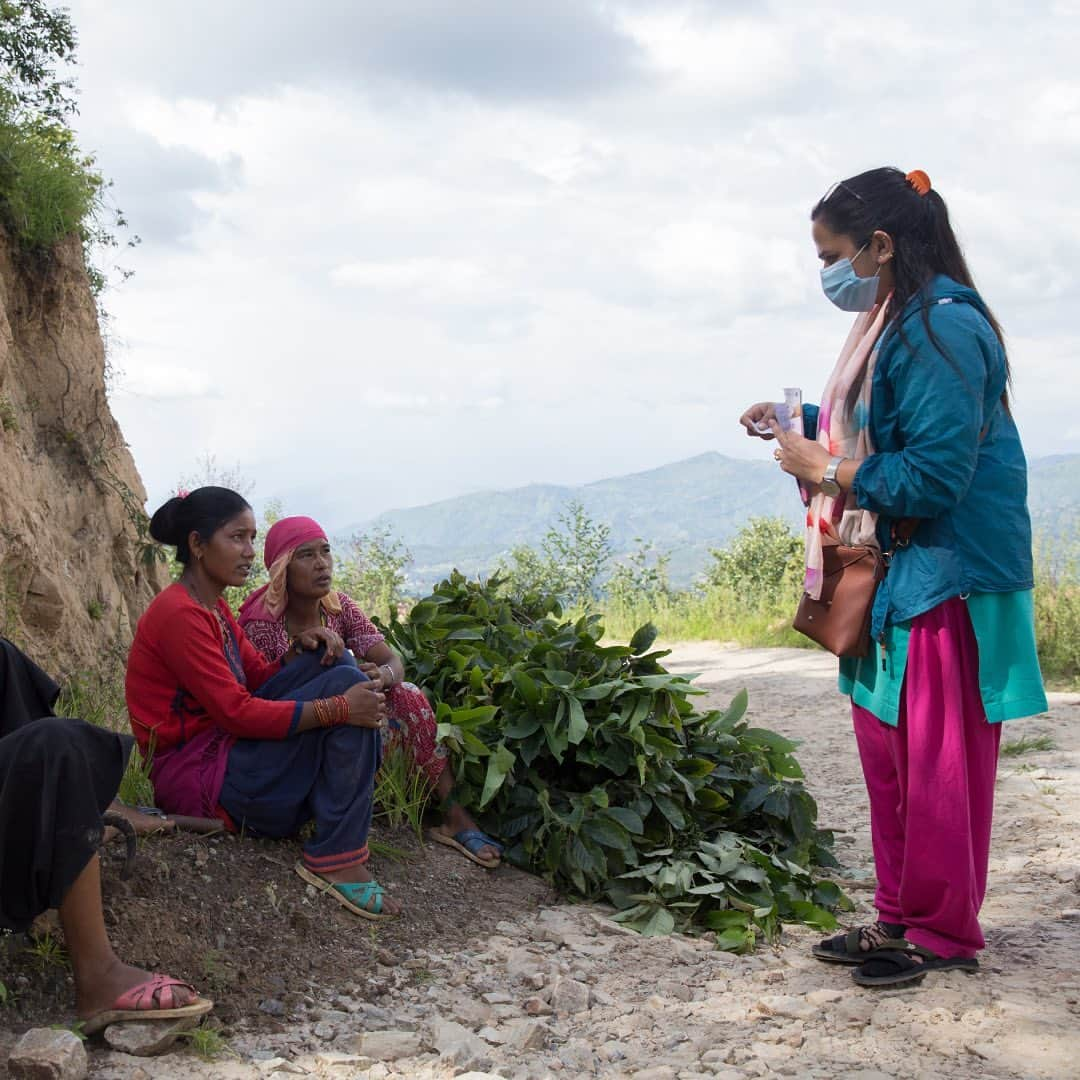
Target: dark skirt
[[57, 777]]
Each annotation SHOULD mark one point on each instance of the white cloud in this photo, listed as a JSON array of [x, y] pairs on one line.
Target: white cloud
[[382, 260]]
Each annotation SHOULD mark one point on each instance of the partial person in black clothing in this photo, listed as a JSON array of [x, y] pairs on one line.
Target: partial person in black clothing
[[57, 779]]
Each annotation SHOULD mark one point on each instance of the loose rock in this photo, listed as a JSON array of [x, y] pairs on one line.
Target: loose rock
[[48, 1054]]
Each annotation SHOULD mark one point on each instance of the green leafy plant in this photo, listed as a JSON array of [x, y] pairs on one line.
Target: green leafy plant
[[6, 996], [95, 609], [590, 760], [401, 791]]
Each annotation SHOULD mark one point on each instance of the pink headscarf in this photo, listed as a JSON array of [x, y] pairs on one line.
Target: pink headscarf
[[283, 538]]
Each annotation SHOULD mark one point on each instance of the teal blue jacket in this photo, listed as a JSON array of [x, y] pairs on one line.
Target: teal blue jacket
[[931, 400]]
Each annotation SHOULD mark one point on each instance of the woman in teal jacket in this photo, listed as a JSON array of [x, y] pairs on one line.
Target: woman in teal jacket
[[915, 426]]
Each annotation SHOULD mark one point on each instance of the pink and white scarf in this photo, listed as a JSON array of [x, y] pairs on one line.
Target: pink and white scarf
[[843, 428]]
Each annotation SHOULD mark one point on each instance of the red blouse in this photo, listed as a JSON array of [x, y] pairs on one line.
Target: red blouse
[[185, 676]]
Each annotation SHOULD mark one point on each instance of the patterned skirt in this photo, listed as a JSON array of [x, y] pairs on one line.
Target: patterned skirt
[[412, 727]]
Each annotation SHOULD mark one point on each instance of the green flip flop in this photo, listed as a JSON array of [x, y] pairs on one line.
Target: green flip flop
[[363, 898]]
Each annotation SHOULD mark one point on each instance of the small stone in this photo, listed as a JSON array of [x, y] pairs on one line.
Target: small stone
[[470, 1011], [497, 997], [387, 1045], [824, 997], [986, 1051], [529, 1035], [495, 1036], [536, 1006], [332, 1058], [324, 1031], [456, 1044], [272, 1007], [600, 997], [656, 1072], [791, 1008], [1071, 914], [569, 996], [387, 958], [48, 1054], [145, 1038]]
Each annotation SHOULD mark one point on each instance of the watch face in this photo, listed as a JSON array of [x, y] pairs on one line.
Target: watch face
[[830, 487]]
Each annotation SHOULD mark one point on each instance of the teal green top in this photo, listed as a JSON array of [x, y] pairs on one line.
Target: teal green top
[[1009, 677]]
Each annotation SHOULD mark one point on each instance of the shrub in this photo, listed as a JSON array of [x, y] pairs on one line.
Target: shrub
[[762, 566], [48, 190], [1057, 621], [594, 766]]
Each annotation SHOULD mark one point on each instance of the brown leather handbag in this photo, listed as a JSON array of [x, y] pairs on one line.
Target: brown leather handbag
[[840, 620]]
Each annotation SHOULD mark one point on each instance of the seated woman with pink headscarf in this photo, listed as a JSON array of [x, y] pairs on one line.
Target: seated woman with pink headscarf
[[298, 598]]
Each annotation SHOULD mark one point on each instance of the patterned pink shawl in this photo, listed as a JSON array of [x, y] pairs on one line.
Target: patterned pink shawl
[[843, 429]]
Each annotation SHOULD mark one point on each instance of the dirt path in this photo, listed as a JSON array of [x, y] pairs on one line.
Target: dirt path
[[561, 992]]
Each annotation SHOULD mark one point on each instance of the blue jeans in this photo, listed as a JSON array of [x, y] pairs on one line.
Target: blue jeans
[[274, 786]]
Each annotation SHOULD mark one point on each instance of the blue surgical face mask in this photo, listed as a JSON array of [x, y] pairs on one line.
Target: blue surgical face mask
[[846, 289]]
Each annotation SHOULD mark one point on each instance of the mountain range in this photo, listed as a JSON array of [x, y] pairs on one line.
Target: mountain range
[[685, 509]]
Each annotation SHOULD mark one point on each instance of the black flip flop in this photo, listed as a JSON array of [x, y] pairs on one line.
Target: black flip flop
[[896, 967], [847, 948]]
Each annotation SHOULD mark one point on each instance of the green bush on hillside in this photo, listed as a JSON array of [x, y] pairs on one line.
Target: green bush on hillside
[[594, 766], [48, 190]]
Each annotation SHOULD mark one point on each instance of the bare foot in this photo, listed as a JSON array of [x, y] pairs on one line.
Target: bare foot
[[97, 991], [359, 875]]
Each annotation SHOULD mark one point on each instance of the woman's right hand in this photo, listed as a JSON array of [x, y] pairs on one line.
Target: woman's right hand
[[764, 412], [367, 706]]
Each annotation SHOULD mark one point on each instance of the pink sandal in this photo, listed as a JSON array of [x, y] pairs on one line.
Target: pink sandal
[[153, 999]]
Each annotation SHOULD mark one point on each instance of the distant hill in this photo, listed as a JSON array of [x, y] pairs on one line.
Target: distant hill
[[685, 508]]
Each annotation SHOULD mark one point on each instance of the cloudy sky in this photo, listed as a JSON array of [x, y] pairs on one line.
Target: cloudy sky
[[396, 251]]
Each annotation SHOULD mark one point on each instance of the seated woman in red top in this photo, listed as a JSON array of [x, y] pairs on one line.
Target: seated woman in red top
[[299, 597], [265, 746]]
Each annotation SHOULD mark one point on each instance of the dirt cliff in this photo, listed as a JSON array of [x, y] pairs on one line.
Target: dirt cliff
[[76, 567]]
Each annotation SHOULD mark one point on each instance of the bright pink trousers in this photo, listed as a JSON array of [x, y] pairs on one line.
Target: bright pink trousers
[[931, 786]]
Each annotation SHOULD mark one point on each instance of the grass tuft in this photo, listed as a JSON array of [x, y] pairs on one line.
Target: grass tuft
[[1027, 744], [402, 791]]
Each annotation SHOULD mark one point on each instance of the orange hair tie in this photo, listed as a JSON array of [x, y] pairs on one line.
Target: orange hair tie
[[919, 181]]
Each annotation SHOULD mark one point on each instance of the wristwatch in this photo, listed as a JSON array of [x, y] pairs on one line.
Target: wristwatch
[[828, 484]]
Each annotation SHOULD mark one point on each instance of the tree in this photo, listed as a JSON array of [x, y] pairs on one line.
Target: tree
[[372, 572], [580, 550], [35, 40]]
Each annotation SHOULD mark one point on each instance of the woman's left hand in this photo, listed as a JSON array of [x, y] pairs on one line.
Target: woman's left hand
[[374, 674], [802, 458], [323, 635]]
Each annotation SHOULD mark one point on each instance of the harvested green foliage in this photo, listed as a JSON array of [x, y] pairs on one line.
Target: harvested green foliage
[[594, 766]]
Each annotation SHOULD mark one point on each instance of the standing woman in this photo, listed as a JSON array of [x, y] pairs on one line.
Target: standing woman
[[915, 428], [265, 746]]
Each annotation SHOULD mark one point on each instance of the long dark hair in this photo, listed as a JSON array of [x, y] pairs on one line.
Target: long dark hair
[[924, 243], [203, 511]]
